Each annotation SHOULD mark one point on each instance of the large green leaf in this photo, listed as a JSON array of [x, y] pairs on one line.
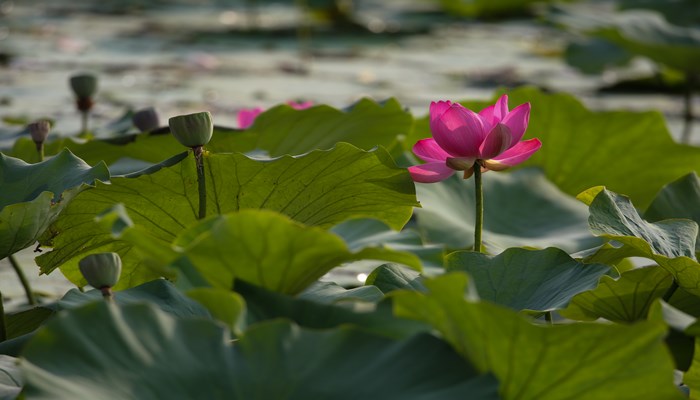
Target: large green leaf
[[263, 305], [537, 280], [671, 243], [33, 195], [520, 209], [390, 277], [11, 380], [366, 124], [270, 250], [650, 35], [159, 292], [91, 352], [626, 299], [678, 199], [320, 188], [360, 233], [537, 362], [582, 148]]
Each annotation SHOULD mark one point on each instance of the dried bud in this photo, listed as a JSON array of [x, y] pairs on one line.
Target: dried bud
[[146, 120], [192, 130], [84, 86], [101, 270], [39, 130]]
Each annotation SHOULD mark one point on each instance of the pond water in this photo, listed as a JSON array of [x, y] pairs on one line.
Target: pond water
[[195, 56]]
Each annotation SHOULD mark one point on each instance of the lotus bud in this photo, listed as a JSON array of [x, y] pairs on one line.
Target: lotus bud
[[101, 270], [146, 120], [84, 86], [192, 130], [39, 130]]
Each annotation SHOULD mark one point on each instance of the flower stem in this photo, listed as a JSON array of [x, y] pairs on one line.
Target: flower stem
[[23, 279], [84, 122], [107, 294], [688, 108], [548, 317], [40, 150], [3, 322], [671, 290], [479, 210], [201, 183]]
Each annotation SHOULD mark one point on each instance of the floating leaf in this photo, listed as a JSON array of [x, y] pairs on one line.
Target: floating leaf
[[11, 380], [542, 216], [194, 358], [264, 305], [390, 277], [33, 195], [678, 199], [537, 280], [160, 293], [366, 124], [534, 361], [321, 188], [331, 293], [671, 243], [270, 250], [626, 299]]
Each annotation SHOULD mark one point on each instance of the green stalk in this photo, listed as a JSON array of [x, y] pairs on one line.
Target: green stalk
[[201, 183], [22, 279], [479, 204], [40, 150], [107, 294], [688, 107], [548, 317], [84, 120], [669, 293], [304, 33], [3, 322]]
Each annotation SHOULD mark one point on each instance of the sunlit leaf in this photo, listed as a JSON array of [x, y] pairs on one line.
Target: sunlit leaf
[[321, 188], [272, 251], [33, 195], [535, 361], [537, 280], [520, 209]]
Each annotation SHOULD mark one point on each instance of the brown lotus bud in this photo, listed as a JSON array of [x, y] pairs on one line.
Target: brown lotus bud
[[39, 130], [146, 120]]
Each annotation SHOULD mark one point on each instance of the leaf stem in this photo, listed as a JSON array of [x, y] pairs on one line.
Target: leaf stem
[[201, 182], [479, 207], [548, 317], [84, 122], [3, 322], [688, 115], [22, 279], [40, 150], [669, 293]]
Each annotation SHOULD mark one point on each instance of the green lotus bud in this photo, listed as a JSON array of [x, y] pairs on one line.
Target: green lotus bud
[[146, 120], [101, 270], [84, 85], [39, 130], [192, 130]]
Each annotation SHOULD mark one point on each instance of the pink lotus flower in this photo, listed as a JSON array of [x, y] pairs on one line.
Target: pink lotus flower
[[462, 138], [247, 116]]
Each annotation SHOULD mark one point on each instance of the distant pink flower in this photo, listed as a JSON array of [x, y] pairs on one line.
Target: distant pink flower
[[247, 116], [300, 105], [462, 137]]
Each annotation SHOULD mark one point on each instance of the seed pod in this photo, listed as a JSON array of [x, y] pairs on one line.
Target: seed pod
[[39, 130], [192, 130], [84, 85], [146, 120], [101, 270]]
